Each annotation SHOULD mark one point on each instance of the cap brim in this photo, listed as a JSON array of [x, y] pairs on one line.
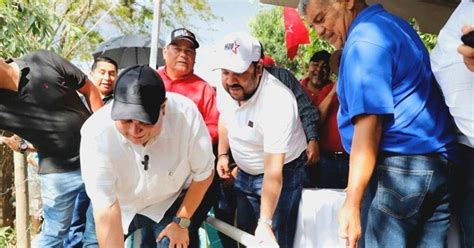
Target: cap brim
[[128, 111], [193, 42], [233, 64]]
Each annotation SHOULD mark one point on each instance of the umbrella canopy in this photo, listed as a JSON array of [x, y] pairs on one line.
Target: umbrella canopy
[[128, 50], [431, 15]]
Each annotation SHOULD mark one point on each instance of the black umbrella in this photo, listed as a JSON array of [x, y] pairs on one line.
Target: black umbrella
[[128, 50]]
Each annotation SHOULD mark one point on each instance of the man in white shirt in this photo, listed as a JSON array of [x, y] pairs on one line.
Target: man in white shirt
[[457, 83], [147, 162], [262, 127]]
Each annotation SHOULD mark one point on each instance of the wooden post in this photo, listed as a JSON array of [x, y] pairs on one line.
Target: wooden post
[[21, 198]]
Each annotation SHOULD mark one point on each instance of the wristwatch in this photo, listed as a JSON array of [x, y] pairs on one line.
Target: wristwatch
[[23, 146], [265, 221], [182, 222]]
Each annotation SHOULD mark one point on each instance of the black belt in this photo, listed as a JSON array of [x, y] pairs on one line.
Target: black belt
[[335, 155]]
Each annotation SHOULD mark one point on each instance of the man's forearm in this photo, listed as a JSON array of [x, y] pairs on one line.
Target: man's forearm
[[223, 145], [272, 184], [92, 95], [193, 197], [108, 223], [365, 146]]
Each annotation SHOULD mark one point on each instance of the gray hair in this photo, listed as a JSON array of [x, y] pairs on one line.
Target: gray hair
[[302, 7], [304, 3]]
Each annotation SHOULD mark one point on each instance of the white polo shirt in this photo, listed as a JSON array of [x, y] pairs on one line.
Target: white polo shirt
[[267, 123], [455, 80], [112, 166]]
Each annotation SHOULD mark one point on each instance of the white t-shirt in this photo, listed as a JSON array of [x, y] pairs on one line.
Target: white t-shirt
[[455, 80], [267, 123], [112, 166]]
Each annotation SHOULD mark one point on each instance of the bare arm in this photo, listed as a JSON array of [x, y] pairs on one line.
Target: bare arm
[[325, 104], [108, 223], [223, 148], [92, 95], [271, 189], [14, 143], [365, 147], [179, 236]]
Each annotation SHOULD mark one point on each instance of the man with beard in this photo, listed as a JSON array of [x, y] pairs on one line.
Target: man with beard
[[393, 122], [262, 128]]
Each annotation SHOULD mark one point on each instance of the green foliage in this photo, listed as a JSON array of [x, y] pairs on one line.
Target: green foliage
[[428, 39], [7, 237], [24, 27], [62, 25], [269, 28]]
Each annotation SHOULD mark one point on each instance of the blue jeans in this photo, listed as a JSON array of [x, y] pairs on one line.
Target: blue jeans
[[78, 223], [248, 189], [59, 193], [331, 172], [407, 203], [150, 229], [464, 201]]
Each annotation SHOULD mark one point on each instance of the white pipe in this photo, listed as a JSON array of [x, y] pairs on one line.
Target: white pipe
[[155, 33], [237, 234]]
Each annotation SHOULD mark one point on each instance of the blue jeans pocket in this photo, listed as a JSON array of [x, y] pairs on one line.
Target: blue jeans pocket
[[400, 192]]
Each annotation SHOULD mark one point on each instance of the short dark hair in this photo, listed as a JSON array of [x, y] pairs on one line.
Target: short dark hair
[[104, 59], [321, 55]]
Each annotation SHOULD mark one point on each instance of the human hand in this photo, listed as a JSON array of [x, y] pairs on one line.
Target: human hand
[[466, 51], [13, 142], [223, 166], [349, 224], [264, 234], [232, 176], [179, 237], [312, 151]]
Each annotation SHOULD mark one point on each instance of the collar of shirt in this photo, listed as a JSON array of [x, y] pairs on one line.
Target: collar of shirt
[[257, 93], [178, 80], [365, 14]]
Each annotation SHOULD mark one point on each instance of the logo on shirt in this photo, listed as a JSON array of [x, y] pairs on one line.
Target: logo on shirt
[[45, 85], [250, 124]]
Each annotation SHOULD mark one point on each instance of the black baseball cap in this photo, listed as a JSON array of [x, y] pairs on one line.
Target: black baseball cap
[[138, 95], [182, 33]]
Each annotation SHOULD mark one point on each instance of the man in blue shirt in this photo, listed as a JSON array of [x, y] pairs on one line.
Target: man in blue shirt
[[394, 123]]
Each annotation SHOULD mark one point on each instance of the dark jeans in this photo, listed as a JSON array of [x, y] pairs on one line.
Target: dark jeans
[[225, 209], [407, 203], [151, 229], [248, 193], [464, 195], [331, 172]]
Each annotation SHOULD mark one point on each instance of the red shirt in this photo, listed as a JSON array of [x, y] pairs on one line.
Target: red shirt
[[201, 93], [329, 138], [312, 95]]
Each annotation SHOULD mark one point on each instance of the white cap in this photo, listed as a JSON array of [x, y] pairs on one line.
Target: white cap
[[237, 52]]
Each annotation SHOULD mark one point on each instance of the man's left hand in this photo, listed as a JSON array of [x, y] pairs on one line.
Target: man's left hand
[[312, 152], [179, 237]]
